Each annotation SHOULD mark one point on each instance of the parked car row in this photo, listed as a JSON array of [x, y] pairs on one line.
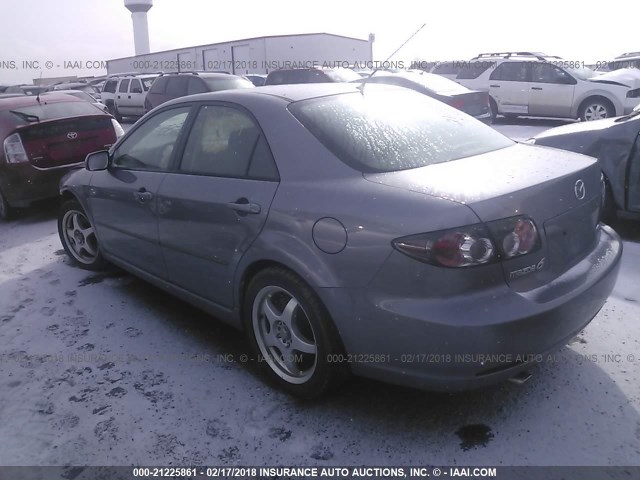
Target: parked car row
[[406, 228], [536, 84]]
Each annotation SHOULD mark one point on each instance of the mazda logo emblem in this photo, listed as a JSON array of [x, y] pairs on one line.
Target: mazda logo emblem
[[72, 135], [579, 190]]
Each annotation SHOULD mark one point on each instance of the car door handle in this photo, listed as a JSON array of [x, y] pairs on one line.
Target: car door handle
[[243, 206], [142, 196], [536, 88], [129, 97], [494, 86]]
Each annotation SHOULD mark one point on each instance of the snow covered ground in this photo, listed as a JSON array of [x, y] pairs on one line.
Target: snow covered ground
[[104, 369]]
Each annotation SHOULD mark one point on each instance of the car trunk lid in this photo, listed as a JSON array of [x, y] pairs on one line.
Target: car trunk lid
[[560, 191], [58, 143]]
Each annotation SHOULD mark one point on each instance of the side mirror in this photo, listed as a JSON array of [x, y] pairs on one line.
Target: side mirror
[[97, 161]]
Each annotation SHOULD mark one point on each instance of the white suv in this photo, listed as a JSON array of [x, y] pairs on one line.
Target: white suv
[[538, 85], [130, 95]]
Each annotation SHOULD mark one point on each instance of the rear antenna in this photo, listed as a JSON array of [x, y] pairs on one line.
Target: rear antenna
[[361, 87]]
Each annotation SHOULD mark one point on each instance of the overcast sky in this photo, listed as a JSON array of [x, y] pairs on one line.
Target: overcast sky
[[80, 30]]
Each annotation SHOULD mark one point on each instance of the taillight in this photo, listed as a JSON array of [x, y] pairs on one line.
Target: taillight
[[14, 151], [117, 128], [473, 245], [457, 103], [460, 247], [515, 236]]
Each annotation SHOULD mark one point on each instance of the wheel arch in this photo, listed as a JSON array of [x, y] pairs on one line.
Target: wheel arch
[[261, 265], [594, 94]]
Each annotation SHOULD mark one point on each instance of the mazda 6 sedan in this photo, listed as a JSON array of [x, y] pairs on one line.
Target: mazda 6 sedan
[[372, 231]]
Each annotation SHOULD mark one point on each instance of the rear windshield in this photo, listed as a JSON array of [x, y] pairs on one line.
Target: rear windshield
[[217, 84], [342, 75], [387, 130], [53, 111], [473, 70], [435, 82]]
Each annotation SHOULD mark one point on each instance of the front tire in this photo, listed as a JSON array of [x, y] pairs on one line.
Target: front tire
[[596, 108], [292, 335], [78, 237]]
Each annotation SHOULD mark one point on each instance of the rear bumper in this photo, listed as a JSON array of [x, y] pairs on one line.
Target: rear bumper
[[478, 338], [23, 183]]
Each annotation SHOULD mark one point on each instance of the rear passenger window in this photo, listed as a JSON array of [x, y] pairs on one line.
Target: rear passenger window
[[177, 86], [223, 141], [136, 86], [124, 85], [263, 167], [160, 85], [511, 72], [196, 86], [469, 71]]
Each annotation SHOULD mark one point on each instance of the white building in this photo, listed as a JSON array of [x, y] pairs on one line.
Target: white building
[[254, 55]]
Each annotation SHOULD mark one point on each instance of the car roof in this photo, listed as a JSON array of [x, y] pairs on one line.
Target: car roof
[[29, 100], [73, 84], [203, 74], [68, 92], [288, 92]]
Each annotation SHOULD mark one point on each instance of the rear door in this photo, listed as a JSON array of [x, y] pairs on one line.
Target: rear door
[[215, 205], [135, 99], [123, 198], [509, 87], [121, 96], [551, 91]]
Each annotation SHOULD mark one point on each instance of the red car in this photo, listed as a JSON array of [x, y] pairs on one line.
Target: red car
[[43, 138]]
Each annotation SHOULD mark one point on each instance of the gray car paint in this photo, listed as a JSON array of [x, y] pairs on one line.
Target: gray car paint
[[380, 300], [615, 142]]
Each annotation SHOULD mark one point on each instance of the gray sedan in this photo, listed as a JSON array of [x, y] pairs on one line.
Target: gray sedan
[[375, 232]]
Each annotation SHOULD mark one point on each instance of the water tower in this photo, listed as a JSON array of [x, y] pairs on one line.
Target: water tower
[[139, 9]]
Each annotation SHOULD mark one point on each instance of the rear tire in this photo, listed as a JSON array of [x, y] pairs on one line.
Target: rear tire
[[116, 113], [292, 335], [608, 212], [6, 211], [493, 107], [78, 237]]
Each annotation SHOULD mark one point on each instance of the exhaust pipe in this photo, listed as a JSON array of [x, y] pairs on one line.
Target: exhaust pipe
[[520, 378]]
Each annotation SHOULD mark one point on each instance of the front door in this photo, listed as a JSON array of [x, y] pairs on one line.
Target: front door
[[215, 205], [551, 91], [123, 198]]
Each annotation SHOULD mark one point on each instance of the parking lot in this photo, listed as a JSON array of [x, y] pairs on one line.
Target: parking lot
[[104, 369]]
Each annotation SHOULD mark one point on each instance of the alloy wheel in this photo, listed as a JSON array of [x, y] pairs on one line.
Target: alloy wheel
[[284, 335], [595, 111], [80, 237]]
